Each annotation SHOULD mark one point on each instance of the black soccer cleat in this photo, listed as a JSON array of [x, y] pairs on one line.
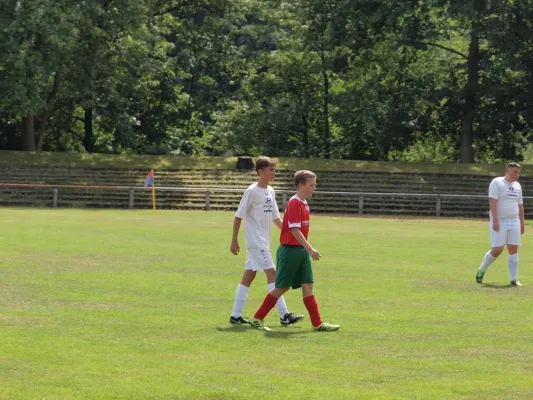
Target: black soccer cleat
[[516, 283], [238, 321], [479, 276], [290, 318]]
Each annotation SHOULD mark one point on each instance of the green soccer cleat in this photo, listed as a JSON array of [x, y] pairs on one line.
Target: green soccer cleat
[[479, 276], [259, 324], [325, 327]]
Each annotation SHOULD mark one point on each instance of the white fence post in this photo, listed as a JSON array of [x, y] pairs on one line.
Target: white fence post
[[54, 198], [437, 206], [284, 200], [361, 204]]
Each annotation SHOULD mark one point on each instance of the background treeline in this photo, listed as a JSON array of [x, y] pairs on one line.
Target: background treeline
[[419, 80]]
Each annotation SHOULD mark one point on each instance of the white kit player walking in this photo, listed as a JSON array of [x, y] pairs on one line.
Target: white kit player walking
[[506, 221], [259, 209]]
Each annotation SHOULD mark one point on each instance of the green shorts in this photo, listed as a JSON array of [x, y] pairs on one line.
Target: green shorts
[[293, 267]]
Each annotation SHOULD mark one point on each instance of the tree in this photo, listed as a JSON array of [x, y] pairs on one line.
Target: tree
[[36, 41]]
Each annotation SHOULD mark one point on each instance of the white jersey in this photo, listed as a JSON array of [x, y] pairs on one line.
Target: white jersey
[[509, 196], [258, 208]]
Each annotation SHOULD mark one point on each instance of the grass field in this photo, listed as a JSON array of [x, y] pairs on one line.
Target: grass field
[[132, 305]]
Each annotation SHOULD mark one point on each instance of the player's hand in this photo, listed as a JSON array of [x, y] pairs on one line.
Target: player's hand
[[496, 226], [234, 248], [315, 255]]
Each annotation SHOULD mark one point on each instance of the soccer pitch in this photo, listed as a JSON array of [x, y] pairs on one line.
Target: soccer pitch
[[135, 305]]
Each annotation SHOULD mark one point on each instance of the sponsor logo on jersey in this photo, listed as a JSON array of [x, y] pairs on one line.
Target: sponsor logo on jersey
[[268, 206]]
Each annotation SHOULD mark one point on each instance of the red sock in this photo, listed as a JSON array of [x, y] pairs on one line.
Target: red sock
[[312, 308], [268, 304]]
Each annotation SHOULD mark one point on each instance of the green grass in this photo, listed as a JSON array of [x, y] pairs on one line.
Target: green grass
[[172, 162], [134, 305]]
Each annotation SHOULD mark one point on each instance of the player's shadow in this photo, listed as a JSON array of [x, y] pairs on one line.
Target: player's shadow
[[285, 333], [493, 286], [235, 328], [282, 333]]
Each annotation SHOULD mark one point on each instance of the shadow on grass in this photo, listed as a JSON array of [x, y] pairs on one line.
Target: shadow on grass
[[285, 334], [282, 333], [235, 328], [493, 286]]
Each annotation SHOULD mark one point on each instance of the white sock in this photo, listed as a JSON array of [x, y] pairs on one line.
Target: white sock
[[241, 295], [513, 266], [280, 304], [487, 260]]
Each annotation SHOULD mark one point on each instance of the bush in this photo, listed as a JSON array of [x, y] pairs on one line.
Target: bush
[[426, 149]]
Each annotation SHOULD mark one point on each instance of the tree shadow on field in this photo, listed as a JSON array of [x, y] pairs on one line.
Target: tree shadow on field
[[493, 286]]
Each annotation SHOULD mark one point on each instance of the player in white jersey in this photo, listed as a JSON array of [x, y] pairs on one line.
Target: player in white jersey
[[506, 221], [259, 209]]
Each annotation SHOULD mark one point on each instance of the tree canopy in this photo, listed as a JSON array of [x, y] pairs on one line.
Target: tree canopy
[[436, 80]]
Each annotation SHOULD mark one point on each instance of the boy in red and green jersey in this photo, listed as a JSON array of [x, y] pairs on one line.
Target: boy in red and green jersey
[[294, 256], [296, 215]]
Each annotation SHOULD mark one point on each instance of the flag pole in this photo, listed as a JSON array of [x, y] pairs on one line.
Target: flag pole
[[150, 179]]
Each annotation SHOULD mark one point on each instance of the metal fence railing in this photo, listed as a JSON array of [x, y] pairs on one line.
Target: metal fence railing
[[358, 201]]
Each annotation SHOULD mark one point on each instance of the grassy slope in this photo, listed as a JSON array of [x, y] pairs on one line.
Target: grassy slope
[[132, 305], [166, 162]]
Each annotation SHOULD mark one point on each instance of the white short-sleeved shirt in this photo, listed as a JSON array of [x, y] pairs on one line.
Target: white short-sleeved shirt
[[509, 196], [258, 208]]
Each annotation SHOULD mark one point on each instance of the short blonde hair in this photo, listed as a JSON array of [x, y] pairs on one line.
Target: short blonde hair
[[513, 165], [301, 177]]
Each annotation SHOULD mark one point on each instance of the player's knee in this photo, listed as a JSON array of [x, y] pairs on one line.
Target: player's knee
[[247, 282], [278, 292], [270, 274], [512, 250], [248, 277], [307, 290], [496, 251]]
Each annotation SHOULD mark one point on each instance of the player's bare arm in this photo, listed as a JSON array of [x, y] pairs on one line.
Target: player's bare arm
[[234, 247], [493, 204], [298, 235], [521, 215], [278, 223]]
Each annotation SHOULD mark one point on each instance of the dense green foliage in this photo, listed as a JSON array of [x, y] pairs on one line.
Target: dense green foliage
[[437, 80]]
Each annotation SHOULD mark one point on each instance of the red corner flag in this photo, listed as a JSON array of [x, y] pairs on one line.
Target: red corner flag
[[149, 179]]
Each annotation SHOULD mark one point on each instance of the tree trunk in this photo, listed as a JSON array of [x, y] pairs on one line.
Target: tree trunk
[[307, 152], [88, 139], [41, 131], [187, 148], [305, 122], [469, 109], [327, 133], [28, 133], [43, 119]]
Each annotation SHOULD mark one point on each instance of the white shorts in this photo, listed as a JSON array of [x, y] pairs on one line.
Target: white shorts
[[509, 233], [258, 260]]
